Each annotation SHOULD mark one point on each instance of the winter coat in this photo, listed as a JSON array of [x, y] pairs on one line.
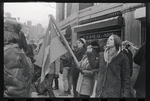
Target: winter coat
[[86, 79], [66, 58], [129, 55], [17, 75], [79, 55], [139, 59], [114, 77]]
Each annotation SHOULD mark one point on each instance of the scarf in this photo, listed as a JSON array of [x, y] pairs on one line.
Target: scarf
[[110, 53]]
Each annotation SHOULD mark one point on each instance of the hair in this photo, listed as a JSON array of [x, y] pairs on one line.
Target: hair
[[117, 41], [10, 33], [10, 37], [12, 26], [23, 41], [30, 53], [128, 44], [97, 48], [13, 34]]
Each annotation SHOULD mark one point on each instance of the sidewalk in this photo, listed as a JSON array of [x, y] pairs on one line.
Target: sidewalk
[[59, 91]]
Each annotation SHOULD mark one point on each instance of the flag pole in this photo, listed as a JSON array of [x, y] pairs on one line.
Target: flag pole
[[65, 41]]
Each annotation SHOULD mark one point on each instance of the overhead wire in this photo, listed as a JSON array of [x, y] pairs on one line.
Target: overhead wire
[[48, 5]]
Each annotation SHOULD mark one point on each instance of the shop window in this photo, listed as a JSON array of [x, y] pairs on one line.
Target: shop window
[[100, 37], [85, 5]]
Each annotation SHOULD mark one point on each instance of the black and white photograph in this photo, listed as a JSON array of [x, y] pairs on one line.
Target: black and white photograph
[[74, 50]]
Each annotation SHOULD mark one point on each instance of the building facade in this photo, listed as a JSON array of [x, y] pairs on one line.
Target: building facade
[[33, 32], [97, 21]]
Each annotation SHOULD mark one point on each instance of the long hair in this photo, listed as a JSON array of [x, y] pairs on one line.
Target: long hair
[[29, 53], [117, 41], [23, 42]]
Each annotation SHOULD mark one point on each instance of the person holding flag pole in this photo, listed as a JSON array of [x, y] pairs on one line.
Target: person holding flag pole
[[51, 49], [65, 41]]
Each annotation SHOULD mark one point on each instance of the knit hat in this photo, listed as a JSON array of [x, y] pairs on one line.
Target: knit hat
[[82, 40]]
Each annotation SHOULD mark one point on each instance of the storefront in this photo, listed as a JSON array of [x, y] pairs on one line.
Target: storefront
[[100, 30]]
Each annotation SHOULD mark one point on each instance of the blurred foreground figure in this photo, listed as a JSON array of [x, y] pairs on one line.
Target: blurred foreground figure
[[139, 59], [17, 75]]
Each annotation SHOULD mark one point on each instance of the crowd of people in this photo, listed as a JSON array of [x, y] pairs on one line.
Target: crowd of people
[[113, 68]]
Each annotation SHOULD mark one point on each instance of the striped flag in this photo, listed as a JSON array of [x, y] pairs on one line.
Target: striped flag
[[51, 49]]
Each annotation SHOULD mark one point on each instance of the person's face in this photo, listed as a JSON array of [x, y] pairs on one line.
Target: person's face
[[89, 48], [110, 42], [79, 44]]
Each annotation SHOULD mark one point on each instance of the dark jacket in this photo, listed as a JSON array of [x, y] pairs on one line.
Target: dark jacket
[[17, 75], [79, 55], [115, 76], [129, 54], [30, 53], [139, 59], [66, 59]]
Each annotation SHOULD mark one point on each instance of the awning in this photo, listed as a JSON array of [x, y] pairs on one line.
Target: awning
[[140, 13], [115, 21]]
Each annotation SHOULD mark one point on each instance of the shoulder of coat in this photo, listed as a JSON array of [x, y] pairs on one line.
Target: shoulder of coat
[[122, 56]]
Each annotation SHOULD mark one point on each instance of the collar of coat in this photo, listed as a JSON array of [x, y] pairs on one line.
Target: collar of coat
[[110, 53]]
